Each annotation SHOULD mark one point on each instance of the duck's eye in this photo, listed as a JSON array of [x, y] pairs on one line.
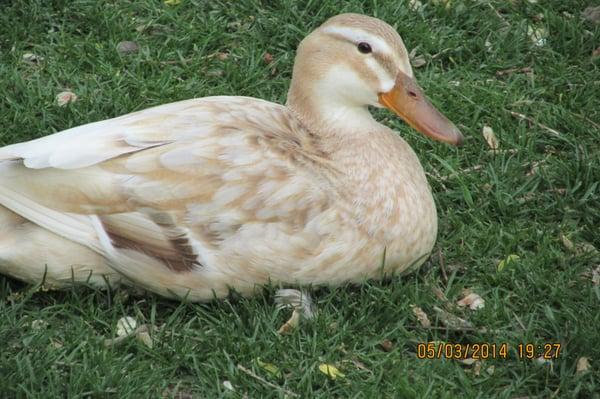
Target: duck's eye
[[364, 47]]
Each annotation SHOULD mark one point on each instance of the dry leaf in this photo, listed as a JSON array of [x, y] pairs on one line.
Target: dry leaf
[[127, 47], [331, 371], [38, 324], [267, 58], [473, 301], [542, 361], [144, 337], [421, 316], [126, 326], [65, 97], [591, 14], [57, 344], [467, 362], [583, 365], [490, 138], [568, 244], [450, 320], [32, 58], [269, 367], [490, 370], [228, 385], [386, 345], [290, 325], [537, 35], [416, 61], [477, 368], [596, 275], [581, 248], [488, 45], [596, 53], [506, 262], [439, 294], [415, 5], [222, 56]]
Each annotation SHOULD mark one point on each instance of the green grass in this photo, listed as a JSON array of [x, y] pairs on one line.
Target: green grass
[[490, 204]]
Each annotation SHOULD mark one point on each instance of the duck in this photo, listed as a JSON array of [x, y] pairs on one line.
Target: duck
[[198, 198]]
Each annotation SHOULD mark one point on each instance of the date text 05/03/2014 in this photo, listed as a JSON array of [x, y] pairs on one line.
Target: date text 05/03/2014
[[487, 350]]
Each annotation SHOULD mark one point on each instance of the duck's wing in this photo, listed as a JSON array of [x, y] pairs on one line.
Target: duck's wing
[[176, 185]]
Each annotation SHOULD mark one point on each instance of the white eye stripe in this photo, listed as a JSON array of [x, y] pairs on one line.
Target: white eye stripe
[[358, 35]]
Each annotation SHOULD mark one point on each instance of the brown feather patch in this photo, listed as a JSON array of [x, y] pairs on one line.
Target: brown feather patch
[[176, 253]]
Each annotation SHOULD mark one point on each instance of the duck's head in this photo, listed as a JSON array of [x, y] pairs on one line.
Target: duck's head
[[353, 61]]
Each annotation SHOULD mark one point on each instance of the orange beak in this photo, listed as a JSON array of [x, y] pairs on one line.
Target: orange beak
[[406, 99]]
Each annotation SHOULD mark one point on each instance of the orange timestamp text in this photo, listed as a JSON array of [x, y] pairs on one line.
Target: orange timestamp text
[[486, 350]]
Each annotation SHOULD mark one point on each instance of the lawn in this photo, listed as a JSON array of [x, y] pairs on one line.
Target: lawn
[[518, 225]]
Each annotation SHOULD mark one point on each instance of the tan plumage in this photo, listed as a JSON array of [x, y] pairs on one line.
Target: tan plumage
[[196, 197]]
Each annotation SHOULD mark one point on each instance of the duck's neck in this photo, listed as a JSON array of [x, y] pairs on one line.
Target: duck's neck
[[332, 114]]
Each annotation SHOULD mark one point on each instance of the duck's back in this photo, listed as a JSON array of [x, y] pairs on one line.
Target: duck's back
[[233, 191]]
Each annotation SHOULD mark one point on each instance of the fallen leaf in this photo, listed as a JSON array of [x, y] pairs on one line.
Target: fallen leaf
[[215, 73], [65, 97], [467, 362], [537, 35], [290, 325], [32, 58], [421, 316], [596, 275], [477, 368], [57, 344], [416, 61], [450, 320], [488, 45], [269, 367], [583, 365], [580, 248], [222, 56], [533, 168], [506, 262], [267, 58], [39, 324], [490, 138], [542, 361], [331, 371], [386, 345], [127, 47], [596, 52], [228, 385], [473, 301], [490, 370], [144, 337], [591, 14], [439, 294], [568, 244], [538, 17], [126, 326], [415, 5]]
